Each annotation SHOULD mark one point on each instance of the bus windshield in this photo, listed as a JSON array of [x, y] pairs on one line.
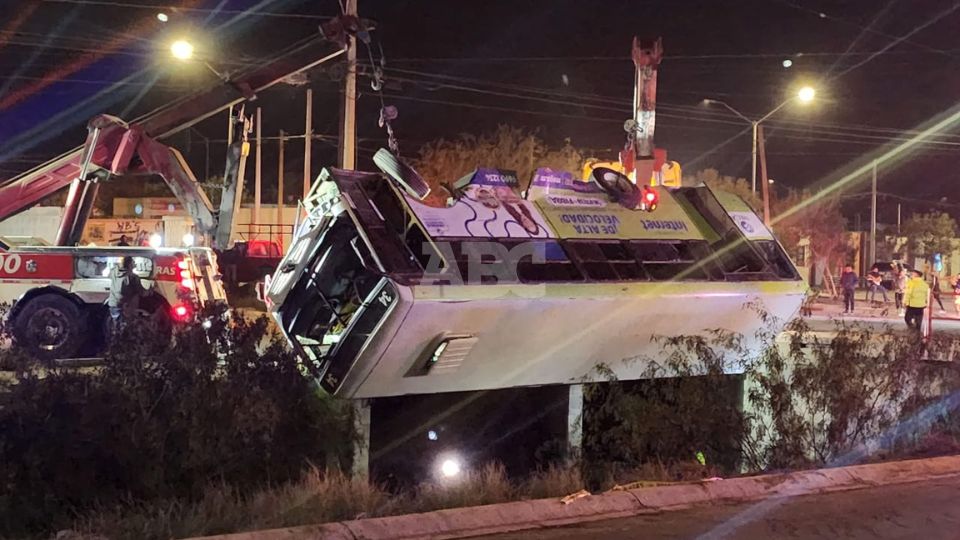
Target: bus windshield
[[332, 286]]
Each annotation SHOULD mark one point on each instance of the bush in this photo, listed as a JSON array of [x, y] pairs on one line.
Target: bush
[[801, 401], [162, 421]]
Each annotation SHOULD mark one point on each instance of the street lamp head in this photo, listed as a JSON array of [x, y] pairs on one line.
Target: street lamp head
[[181, 49], [806, 94]]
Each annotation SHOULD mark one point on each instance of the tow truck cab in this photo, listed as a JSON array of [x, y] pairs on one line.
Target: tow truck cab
[[59, 293]]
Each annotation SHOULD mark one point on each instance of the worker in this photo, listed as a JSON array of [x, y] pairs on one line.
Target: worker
[[125, 293], [915, 298]]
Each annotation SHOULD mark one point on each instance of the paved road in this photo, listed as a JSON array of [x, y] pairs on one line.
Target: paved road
[[930, 511]]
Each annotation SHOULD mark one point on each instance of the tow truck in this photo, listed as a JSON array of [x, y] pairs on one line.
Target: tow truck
[[57, 292]]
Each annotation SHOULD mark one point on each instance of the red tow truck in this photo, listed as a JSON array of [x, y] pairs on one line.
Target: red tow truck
[[58, 292]]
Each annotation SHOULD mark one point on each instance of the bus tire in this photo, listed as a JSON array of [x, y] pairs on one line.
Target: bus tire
[[50, 326]]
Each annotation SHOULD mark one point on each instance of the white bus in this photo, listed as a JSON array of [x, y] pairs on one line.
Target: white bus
[[502, 288]]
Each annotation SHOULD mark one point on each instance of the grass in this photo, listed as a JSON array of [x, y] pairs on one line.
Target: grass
[[318, 497]]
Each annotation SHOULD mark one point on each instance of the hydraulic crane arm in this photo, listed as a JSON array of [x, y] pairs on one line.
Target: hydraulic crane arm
[[114, 148]]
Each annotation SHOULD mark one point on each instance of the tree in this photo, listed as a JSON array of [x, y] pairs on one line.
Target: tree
[[930, 233], [510, 148], [802, 214]]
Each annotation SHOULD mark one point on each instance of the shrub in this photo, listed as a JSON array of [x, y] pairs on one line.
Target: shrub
[[162, 420]]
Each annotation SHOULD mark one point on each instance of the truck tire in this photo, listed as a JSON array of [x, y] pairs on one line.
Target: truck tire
[[50, 327]]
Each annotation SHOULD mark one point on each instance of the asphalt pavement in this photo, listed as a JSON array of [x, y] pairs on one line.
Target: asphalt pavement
[[921, 510]]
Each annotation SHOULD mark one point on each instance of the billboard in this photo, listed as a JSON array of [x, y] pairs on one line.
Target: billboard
[[489, 207], [578, 209]]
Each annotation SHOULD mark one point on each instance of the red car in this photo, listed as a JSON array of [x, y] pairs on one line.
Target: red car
[[250, 261]]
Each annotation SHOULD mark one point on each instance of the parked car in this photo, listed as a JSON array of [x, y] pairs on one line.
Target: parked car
[[249, 261]]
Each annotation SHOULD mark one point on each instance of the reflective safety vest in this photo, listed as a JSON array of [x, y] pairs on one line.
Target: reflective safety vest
[[917, 293]]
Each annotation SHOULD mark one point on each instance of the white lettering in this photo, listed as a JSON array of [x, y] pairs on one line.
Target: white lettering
[[10, 263]]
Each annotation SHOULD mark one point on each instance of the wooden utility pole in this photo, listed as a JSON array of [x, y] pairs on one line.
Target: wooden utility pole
[[307, 142], [256, 177], [280, 190], [765, 184], [348, 107]]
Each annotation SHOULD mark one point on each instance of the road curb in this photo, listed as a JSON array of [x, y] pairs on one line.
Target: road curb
[[541, 513]]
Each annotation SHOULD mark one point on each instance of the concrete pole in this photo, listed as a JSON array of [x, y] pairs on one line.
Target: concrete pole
[[280, 190], [575, 422], [873, 216], [348, 125], [307, 144], [361, 445], [753, 153], [256, 177], [230, 126], [763, 178]]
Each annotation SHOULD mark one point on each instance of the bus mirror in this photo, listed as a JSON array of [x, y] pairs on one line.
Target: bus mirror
[[402, 173], [617, 186]]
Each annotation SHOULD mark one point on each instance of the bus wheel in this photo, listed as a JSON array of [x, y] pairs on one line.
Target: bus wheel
[[51, 327]]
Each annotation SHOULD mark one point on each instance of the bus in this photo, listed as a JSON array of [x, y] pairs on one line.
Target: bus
[[502, 287]]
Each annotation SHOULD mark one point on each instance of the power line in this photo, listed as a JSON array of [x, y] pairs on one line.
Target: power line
[[698, 109], [625, 58], [840, 20], [834, 133], [174, 9]]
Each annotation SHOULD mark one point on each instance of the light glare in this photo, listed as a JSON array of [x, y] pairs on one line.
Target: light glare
[[787, 63], [806, 94], [450, 468], [181, 49], [156, 240], [162, 17]]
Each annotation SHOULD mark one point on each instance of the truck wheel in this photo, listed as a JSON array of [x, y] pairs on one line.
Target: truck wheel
[[51, 327]]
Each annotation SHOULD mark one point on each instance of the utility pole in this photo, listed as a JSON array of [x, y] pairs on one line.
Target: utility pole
[[307, 140], [256, 177], [753, 154], [898, 219], [763, 177], [873, 216], [280, 190], [348, 107], [230, 126]]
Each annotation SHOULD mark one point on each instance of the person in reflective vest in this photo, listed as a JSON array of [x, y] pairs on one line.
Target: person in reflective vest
[[125, 292], [915, 299]]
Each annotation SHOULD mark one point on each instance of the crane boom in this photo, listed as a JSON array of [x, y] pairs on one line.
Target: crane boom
[[112, 145]]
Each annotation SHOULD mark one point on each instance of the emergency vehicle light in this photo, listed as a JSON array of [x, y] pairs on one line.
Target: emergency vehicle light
[[181, 312]]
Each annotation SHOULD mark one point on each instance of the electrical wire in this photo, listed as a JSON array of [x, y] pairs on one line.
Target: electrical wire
[[112, 3], [835, 133]]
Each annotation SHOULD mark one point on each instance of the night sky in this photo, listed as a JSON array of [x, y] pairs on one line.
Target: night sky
[[559, 67]]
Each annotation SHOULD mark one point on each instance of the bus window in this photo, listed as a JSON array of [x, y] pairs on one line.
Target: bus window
[[667, 261], [777, 259], [605, 261]]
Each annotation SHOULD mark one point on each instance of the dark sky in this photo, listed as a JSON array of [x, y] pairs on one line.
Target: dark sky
[[457, 67]]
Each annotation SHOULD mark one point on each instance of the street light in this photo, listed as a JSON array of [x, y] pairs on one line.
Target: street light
[[805, 95], [181, 49]]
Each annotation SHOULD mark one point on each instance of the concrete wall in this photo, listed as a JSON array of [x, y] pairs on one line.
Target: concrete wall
[[39, 221]]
